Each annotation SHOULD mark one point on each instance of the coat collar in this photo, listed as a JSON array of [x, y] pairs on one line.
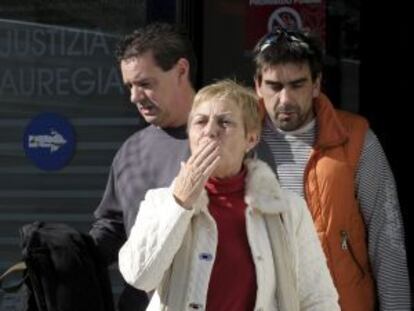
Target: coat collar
[[330, 130], [263, 191]]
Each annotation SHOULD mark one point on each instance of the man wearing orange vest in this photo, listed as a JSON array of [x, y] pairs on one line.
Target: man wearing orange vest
[[334, 160]]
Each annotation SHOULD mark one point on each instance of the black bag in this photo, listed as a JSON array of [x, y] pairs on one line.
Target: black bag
[[63, 270]]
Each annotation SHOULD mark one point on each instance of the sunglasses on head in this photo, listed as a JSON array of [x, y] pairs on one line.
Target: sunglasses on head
[[278, 35]]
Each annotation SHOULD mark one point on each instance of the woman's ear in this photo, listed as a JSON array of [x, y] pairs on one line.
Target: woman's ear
[[252, 140]]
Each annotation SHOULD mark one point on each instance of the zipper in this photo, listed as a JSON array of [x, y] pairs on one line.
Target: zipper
[[347, 246]]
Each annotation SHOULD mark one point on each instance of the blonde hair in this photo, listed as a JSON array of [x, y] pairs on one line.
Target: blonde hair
[[231, 91]]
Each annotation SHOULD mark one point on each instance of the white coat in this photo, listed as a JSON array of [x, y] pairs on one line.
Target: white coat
[[172, 249]]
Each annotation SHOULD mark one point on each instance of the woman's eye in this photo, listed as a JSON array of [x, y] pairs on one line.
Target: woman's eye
[[225, 122], [200, 121]]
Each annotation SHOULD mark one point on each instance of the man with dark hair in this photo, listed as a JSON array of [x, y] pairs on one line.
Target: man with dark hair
[[334, 160], [157, 62]]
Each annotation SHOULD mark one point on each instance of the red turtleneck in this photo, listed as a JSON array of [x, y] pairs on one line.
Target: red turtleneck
[[232, 284]]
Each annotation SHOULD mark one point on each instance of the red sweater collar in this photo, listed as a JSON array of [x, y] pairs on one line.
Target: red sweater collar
[[231, 184]]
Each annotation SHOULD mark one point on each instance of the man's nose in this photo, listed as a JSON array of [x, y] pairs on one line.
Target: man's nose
[[137, 94], [285, 95]]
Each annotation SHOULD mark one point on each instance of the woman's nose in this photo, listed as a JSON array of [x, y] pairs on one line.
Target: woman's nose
[[211, 129]]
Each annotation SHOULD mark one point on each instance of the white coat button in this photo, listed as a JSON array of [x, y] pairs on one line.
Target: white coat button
[[195, 306], [205, 256]]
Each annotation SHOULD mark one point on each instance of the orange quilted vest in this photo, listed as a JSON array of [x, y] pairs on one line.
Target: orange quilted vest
[[331, 197]]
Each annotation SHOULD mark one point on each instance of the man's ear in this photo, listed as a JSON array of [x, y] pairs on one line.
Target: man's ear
[[183, 68], [317, 86], [262, 109], [257, 83]]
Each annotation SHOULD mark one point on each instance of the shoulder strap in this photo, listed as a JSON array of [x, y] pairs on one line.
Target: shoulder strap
[[19, 267]]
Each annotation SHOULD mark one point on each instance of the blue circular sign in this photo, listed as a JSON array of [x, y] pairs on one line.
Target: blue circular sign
[[49, 141]]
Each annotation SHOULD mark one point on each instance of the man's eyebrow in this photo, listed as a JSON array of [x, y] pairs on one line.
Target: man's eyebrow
[[139, 80], [296, 81]]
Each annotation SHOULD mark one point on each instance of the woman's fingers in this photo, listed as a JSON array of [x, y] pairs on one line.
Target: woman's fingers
[[197, 169], [208, 160], [210, 168], [202, 152], [194, 174]]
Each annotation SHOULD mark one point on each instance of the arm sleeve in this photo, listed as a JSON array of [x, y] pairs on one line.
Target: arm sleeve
[[108, 229], [380, 208], [155, 238], [316, 289]]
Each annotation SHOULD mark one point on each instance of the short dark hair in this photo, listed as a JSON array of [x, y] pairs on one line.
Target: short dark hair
[[168, 43], [282, 46]]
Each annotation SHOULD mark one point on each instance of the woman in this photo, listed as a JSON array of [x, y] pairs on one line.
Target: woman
[[225, 236]]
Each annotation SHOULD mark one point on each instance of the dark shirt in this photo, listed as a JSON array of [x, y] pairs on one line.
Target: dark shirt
[[148, 159]]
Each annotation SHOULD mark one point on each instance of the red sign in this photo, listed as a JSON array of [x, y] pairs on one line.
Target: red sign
[[264, 15]]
